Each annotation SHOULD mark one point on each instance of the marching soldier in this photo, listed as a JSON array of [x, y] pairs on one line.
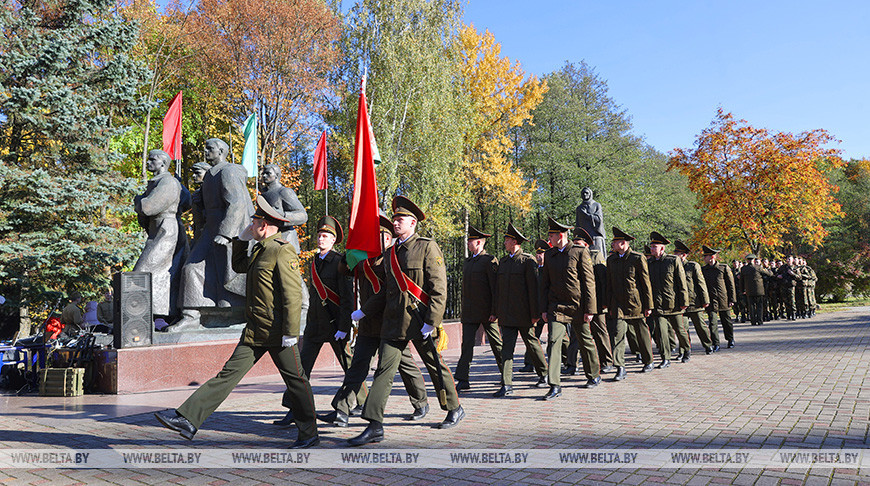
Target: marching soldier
[[810, 286], [630, 301], [670, 298], [330, 303], [541, 247], [699, 299], [720, 286], [370, 275], [752, 278], [273, 310], [478, 304], [599, 322], [517, 308], [567, 297], [412, 301]]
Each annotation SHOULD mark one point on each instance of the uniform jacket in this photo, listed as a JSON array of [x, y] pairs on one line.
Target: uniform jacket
[[324, 317], [273, 302], [697, 286], [720, 286], [628, 285], [752, 277], [567, 283], [517, 296], [788, 276], [72, 315], [479, 288], [422, 261], [370, 325], [669, 288]]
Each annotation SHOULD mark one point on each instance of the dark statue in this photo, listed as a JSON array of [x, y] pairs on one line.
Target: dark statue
[[590, 217], [198, 172], [207, 278], [284, 200], [159, 211]]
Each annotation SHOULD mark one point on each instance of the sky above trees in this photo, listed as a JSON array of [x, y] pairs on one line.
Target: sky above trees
[[785, 65]]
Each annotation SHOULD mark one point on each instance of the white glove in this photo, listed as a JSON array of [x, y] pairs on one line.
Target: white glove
[[357, 315], [288, 341], [248, 233], [427, 330], [340, 335]]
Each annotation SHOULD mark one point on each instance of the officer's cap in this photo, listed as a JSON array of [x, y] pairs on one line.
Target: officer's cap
[[514, 233], [475, 234], [330, 225], [402, 206], [751, 256], [387, 225], [541, 246], [618, 234], [554, 226], [709, 251], [680, 247], [656, 238], [582, 234], [269, 213]]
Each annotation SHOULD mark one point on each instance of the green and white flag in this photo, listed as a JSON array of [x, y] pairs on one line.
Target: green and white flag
[[249, 156]]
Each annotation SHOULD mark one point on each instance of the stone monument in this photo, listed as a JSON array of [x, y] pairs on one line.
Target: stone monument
[[159, 211], [590, 217]]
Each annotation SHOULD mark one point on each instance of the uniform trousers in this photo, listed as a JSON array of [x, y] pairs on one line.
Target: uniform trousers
[[556, 331], [701, 329], [586, 345], [354, 378], [389, 359], [727, 326], [533, 347], [341, 348], [539, 329], [618, 331], [602, 340], [212, 393], [469, 335], [756, 309], [665, 324]]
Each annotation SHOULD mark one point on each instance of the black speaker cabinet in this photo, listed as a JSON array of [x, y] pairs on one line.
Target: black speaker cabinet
[[134, 323]]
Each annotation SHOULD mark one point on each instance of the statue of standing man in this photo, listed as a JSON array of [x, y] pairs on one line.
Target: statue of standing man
[[590, 217], [159, 211], [285, 201], [207, 278]]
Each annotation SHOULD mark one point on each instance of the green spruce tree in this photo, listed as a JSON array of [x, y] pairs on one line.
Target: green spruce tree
[[65, 81]]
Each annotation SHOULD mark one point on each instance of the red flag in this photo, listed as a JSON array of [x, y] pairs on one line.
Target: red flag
[[320, 164], [364, 228], [172, 129]]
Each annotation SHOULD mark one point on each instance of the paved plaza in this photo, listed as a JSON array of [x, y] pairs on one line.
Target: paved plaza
[[800, 384]]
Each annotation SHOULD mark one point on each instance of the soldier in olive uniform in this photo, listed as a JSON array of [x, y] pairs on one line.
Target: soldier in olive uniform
[[720, 286], [568, 297], [752, 276], [630, 301], [370, 276], [412, 301], [741, 307], [599, 322], [331, 300], [478, 304], [541, 248], [273, 311], [517, 308], [699, 299], [810, 280], [72, 317], [670, 298], [787, 276]]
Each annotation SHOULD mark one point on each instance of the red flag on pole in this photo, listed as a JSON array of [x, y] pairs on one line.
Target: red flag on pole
[[320, 164], [172, 129], [363, 238]]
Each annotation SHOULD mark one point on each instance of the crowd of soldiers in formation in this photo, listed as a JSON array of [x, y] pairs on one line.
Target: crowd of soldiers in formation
[[789, 289]]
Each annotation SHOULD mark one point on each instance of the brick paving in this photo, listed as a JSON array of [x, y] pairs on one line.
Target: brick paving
[[800, 384]]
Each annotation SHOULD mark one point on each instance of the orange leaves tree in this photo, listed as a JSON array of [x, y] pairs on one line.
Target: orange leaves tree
[[501, 98], [755, 187]]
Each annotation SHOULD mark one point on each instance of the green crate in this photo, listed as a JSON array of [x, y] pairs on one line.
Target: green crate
[[61, 382]]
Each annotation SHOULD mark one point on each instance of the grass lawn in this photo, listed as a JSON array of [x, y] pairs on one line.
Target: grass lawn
[[838, 306]]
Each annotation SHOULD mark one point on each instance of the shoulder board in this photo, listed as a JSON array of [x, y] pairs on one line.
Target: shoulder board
[[421, 238], [280, 241]]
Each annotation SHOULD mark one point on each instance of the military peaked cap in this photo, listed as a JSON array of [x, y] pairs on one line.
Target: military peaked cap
[[541, 246], [751, 256], [618, 234], [554, 226], [330, 225], [709, 251], [387, 225], [514, 233], [582, 234], [647, 250], [402, 206], [269, 213], [656, 237], [681, 247], [474, 233]]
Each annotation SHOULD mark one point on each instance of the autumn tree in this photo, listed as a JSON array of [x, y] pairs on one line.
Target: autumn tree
[[501, 98], [754, 186]]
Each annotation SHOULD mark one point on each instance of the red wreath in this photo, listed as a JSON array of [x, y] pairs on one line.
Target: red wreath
[[53, 328]]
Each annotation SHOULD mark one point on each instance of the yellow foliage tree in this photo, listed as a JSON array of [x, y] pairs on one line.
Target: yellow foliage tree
[[755, 187], [501, 98]]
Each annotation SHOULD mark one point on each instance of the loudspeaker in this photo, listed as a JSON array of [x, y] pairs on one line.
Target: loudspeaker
[[133, 321]]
